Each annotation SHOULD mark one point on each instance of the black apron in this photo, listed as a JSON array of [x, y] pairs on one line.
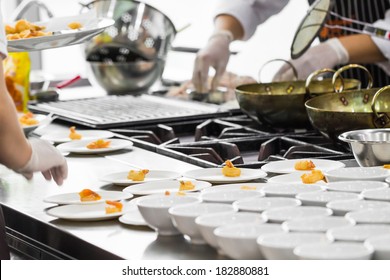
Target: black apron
[[4, 250], [363, 10]]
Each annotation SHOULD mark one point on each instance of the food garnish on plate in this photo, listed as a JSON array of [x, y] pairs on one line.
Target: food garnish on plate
[[99, 144], [248, 188], [89, 195], [186, 186], [24, 29], [304, 165], [75, 25], [28, 119], [113, 207], [229, 170], [387, 166], [73, 134], [137, 175], [313, 177]]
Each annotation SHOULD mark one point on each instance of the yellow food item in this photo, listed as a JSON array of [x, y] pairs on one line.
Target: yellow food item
[[186, 186], [313, 177], [248, 188], [180, 193], [75, 25], [229, 170], [24, 29], [99, 144], [137, 175], [73, 134], [304, 165], [28, 119], [113, 207], [89, 195], [387, 166]]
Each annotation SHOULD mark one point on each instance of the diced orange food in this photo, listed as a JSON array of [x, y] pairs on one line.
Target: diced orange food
[[248, 188], [73, 134], [24, 29], [304, 165], [113, 207], [229, 170], [313, 177], [137, 175], [167, 193], [186, 186], [99, 144], [75, 25], [387, 166], [28, 119], [89, 195]]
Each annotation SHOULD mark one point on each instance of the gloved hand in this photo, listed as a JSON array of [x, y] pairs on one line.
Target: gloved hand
[[47, 159], [215, 54], [325, 55]]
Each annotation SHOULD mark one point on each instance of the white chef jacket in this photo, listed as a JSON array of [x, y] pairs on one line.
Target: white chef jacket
[[3, 40]]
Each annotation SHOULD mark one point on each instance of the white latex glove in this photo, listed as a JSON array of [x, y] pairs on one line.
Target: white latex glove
[[325, 55], [215, 54], [46, 159]]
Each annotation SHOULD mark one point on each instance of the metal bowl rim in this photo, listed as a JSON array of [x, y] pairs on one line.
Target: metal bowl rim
[[344, 136]]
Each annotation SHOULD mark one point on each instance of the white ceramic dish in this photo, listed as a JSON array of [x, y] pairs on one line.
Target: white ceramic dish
[[215, 176], [280, 215], [290, 190], [162, 186], [381, 246], [287, 166], [84, 213], [292, 178], [371, 216], [238, 186], [80, 146], [280, 246], [154, 210], [260, 204], [378, 194], [183, 217], [357, 233], [357, 173], [120, 178], [74, 198], [42, 120], [132, 216], [209, 222], [321, 198], [87, 135], [229, 196], [342, 207], [334, 251], [238, 241], [316, 224], [355, 186]]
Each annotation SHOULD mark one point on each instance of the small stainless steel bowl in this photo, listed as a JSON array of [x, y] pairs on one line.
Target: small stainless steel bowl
[[370, 147]]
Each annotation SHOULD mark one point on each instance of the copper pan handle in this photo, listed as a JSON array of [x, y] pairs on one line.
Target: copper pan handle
[[381, 119], [337, 75], [313, 75], [273, 60]]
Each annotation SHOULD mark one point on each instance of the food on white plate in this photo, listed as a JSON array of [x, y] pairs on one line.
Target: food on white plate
[[28, 119], [99, 144], [229, 170], [113, 206], [89, 195], [186, 186], [24, 29], [313, 177], [137, 175], [73, 134], [304, 165]]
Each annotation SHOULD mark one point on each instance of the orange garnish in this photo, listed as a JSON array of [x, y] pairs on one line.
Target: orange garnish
[[229, 170], [246, 188], [186, 186], [89, 195], [304, 165], [75, 25], [28, 119], [313, 177], [113, 206], [387, 166], [137, 175], [99, 144], [167, 193], [73, 134]]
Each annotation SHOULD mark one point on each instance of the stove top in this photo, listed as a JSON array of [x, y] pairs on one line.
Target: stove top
[[237, 138]]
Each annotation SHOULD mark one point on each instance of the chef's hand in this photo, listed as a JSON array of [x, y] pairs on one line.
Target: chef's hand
[[47, 159], [215, 54], [325, 55]]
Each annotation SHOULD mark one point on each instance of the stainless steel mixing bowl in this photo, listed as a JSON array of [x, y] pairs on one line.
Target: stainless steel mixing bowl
[[370, 147]]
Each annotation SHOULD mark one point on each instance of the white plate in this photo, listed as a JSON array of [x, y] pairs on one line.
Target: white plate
[[74, 198], [290, 190], [132, 217], [87, 135], [63, 36], [28, 128], [80, 146], [292, 178], [76, 212], [239, 186], [358, 173], [379, 194], [120, 178], [355, 186], [159, 187], [214, 175], [287, 166]]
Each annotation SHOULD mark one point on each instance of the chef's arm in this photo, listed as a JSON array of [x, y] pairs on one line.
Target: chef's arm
[[226, 22], [362, 49]]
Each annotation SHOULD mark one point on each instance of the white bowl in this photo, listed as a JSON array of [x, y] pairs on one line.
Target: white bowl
[[209, 222], [342, 207], [334, 251], [358, 233], [292, 178], [183, 217], [381, 246], [290, 190], [154, 210], [316, 224], [280, 215], [355, 186], [280, 246], [260, 204], [371, 216], [357, 173], [239, 186], [321, 198], [379, 194], [229, 196], [239, 241]]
